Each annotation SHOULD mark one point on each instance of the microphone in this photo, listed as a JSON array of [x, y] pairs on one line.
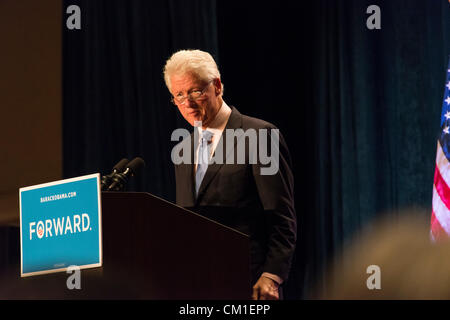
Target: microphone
[[119, 167], [121, 179]]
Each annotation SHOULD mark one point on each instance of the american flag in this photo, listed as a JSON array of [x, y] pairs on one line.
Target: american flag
[[440, 216]]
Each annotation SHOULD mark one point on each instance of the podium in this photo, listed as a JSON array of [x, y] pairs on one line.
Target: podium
[[152, 249]]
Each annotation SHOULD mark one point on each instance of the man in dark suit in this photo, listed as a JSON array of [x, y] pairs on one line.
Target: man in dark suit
[[225, 179]]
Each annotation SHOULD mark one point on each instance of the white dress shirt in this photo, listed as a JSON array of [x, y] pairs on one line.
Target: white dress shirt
[[216, 127]]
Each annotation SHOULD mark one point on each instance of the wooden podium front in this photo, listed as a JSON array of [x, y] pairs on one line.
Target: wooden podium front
[[152, 249]]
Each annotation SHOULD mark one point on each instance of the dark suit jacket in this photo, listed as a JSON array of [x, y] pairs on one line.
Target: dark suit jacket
[[238, 196]]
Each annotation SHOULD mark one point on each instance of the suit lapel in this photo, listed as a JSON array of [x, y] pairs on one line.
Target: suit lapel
[[186, 174], [191, 171], [234, 122]]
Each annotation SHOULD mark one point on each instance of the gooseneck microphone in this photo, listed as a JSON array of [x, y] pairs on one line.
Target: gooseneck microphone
[[131, 169], [118, 168]]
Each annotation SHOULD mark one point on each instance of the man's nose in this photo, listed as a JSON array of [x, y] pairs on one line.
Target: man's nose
[[190, 104]]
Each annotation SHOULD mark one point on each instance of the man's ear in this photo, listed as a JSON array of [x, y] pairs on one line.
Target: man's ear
[[217, 86]]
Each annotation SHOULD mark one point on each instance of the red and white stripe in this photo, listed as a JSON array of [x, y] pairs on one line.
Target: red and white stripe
[[440, 217]]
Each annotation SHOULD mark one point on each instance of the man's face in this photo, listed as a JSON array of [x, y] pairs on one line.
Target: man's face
[[203, 108]]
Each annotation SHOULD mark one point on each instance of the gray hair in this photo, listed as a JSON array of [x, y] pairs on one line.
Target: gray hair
[[198, 63]]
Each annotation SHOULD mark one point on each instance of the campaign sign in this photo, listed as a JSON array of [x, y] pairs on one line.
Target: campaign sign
[[60, 225]]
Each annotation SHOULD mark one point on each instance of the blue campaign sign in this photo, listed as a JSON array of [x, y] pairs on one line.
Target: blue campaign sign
[[60, 225]]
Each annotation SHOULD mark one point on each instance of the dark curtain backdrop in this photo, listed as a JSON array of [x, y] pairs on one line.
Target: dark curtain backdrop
[[115, 101], [359, 108], [377, 101]]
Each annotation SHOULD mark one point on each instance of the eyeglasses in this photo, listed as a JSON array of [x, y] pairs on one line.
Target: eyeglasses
[[192, 96]]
